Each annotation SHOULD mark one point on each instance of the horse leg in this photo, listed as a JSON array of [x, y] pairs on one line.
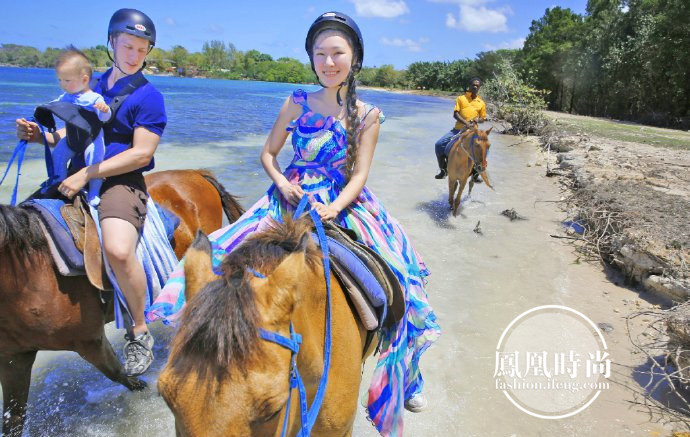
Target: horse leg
[[100, 353], [452, 185], [469, 192], [15, 377], [456, 203]]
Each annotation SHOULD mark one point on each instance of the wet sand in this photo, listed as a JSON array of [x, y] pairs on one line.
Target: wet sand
[[479, 283]]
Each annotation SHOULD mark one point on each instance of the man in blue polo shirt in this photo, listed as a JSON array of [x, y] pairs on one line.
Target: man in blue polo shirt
[[131, 139]]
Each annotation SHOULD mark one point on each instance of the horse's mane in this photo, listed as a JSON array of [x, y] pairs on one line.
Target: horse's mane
[[20, 231], [219, 326], [481, 134]]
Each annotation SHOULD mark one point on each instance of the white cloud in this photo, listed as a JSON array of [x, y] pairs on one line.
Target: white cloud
[[516, 43], [477, 18], [473, 16], [461, 2], [409, 44], [170, 21], [380, 8]]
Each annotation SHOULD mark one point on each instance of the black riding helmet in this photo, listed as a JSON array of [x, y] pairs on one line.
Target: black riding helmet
[[341, 22], [133, 22]]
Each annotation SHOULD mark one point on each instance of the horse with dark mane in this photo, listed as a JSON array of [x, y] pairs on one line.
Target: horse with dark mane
[[43, 310], [468, 152], [222, 379]]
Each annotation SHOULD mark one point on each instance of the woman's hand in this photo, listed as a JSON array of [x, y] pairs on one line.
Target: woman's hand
[[71, 185], [28, 130], [326, 212], [292, 193]]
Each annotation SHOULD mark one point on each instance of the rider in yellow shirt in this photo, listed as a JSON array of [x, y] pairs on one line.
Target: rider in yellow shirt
[[469, 108]]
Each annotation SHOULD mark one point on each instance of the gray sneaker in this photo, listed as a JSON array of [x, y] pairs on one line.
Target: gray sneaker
[[138, 353], [417, 403]]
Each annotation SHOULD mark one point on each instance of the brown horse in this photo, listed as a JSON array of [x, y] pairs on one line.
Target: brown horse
[[468, 152], [42, 310], [221, 379], [196, 197]]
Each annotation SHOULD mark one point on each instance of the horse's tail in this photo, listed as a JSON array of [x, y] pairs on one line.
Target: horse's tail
[[231, 206]]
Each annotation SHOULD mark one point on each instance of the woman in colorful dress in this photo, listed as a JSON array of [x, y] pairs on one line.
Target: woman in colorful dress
[[334, 136]]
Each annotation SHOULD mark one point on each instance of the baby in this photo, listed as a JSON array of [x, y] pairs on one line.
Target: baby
[[74, 74]]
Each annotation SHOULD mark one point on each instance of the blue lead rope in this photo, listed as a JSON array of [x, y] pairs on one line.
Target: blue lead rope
[[18, 154], [308, 415]]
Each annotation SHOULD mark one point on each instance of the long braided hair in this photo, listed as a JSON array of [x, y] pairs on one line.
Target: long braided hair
[[353, 122], [351, 112]]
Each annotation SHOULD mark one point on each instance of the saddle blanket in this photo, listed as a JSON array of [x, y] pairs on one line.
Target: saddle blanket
[[69, 259]]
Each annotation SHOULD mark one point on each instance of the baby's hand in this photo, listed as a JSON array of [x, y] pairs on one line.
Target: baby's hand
[[102, 106]]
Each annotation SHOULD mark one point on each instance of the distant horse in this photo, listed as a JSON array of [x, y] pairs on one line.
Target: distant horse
[[43, 310], [468, 152], [222, 379]]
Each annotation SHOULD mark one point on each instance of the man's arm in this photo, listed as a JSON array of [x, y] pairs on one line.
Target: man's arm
[[459, 118]]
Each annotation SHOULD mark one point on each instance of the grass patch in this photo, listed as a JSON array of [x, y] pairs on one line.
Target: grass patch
[[621, 130]]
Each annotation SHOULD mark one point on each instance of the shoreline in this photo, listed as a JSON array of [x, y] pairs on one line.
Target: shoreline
[[629, 188], [432, 93]]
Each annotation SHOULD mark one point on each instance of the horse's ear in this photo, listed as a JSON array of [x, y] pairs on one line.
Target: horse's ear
[[198, 266], [489, 130], [303, 242]]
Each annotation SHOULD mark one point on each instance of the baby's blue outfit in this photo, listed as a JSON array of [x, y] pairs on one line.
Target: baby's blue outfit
[[94, 152]]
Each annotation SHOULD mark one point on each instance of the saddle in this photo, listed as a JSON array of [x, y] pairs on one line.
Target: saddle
[[368, 280], [72, 237], [85, 235]]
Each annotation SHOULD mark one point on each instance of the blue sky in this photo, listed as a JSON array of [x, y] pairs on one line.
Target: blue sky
[[395, 32]]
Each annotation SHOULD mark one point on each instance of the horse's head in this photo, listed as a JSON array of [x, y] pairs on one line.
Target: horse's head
[[221, 379], [480, 149]]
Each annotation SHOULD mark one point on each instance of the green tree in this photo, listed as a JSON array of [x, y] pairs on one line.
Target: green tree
[[547, 52], [159, 59], [179, 56], [386, 76], [490, 64], [215, 55]]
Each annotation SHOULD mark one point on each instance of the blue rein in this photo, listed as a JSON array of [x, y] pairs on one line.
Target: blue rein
[[308, 415], [18, 154]]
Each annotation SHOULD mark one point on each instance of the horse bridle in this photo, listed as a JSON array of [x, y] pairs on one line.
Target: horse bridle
[[308, 415], [478, 167]]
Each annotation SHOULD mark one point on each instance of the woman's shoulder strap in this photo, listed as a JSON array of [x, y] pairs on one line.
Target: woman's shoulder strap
[[299, 97], [368, 109]]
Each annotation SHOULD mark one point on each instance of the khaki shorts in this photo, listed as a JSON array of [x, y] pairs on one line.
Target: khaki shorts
[[124, 197]]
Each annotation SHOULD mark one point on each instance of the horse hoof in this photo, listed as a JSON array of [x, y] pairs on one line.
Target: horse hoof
[[136, 384]]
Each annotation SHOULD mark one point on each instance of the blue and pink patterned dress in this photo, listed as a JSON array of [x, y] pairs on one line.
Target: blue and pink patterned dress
[[318, 166]]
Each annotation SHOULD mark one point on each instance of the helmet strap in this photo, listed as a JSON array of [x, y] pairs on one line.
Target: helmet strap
[[115, 62]]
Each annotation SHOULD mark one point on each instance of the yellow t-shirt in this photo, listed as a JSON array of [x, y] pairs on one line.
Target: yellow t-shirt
[[469, 108]]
